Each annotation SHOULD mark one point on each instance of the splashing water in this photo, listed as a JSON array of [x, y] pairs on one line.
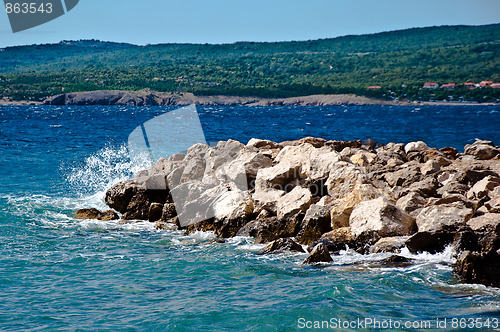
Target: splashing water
[[105, 168]]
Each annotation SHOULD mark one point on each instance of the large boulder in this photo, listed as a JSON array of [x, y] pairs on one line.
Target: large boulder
[[435, 217], [483, 187], [482, 150], [316, 222], [299, 199], [476, 267], [411, 202], [232, 210], [379, 216], [343, 178], [484, 221], [342, 208]]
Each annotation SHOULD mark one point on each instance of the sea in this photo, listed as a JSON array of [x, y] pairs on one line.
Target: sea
[[62, 274]]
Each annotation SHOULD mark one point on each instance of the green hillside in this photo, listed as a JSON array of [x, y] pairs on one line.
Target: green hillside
[[341, 65]]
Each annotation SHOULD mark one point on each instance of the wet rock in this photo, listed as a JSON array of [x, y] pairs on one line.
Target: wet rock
[[432, 242], [318, 254], [282, 245], [436, 217], [271, 228], [482, 268], [119, 195], [93, 213], [168, 211], [336, 240], [482, 150], [155, 212], [389, 244], [316, 222], [396, 261], [381, 217]]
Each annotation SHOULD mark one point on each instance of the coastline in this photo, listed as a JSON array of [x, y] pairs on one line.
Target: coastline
[[151, 98]]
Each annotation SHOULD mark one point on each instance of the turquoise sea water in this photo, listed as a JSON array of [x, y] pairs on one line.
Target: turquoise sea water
[[58, 273]]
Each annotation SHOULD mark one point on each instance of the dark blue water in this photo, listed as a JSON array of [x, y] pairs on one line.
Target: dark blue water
[[57, 273]]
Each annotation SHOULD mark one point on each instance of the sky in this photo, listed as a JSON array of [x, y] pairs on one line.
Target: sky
[[144, 22]]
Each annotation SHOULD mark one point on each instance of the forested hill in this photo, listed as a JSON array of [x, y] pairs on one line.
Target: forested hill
[[347, 64]]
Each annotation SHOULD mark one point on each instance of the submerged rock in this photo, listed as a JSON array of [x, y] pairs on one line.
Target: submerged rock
[[282, 245], [96, 214]]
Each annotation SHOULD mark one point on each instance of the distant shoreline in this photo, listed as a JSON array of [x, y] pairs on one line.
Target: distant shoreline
[[151, 98]]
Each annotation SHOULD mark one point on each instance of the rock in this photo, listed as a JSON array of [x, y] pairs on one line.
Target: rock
[[232, 210], [493, 205], [263, 144], [484, 221], [482, 188], [396, 261], [391, 154], [482, 268], [283, 176], [431, 242], [318, 254], [343, 178], [427, 187], [314, 162], [434, 218], [389, 244], [316, 222], [249, 164], [430, 167], [381, 217], [168, 211], [449, 152], [342, 208], [466, 239], [403, 177], [155, 212], [268, 229], [341, 145], [482, 150], [411, 202], [416, 146], [93, 213], [119, 195], [266, 200], [282, 245], [194, 170], [336, 240], [299, 199], [363, 158]]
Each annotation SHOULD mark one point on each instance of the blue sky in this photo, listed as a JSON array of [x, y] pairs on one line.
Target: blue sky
[[223, 21]]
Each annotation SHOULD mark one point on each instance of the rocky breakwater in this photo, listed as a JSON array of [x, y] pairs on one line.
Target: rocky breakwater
[[329, 195]]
